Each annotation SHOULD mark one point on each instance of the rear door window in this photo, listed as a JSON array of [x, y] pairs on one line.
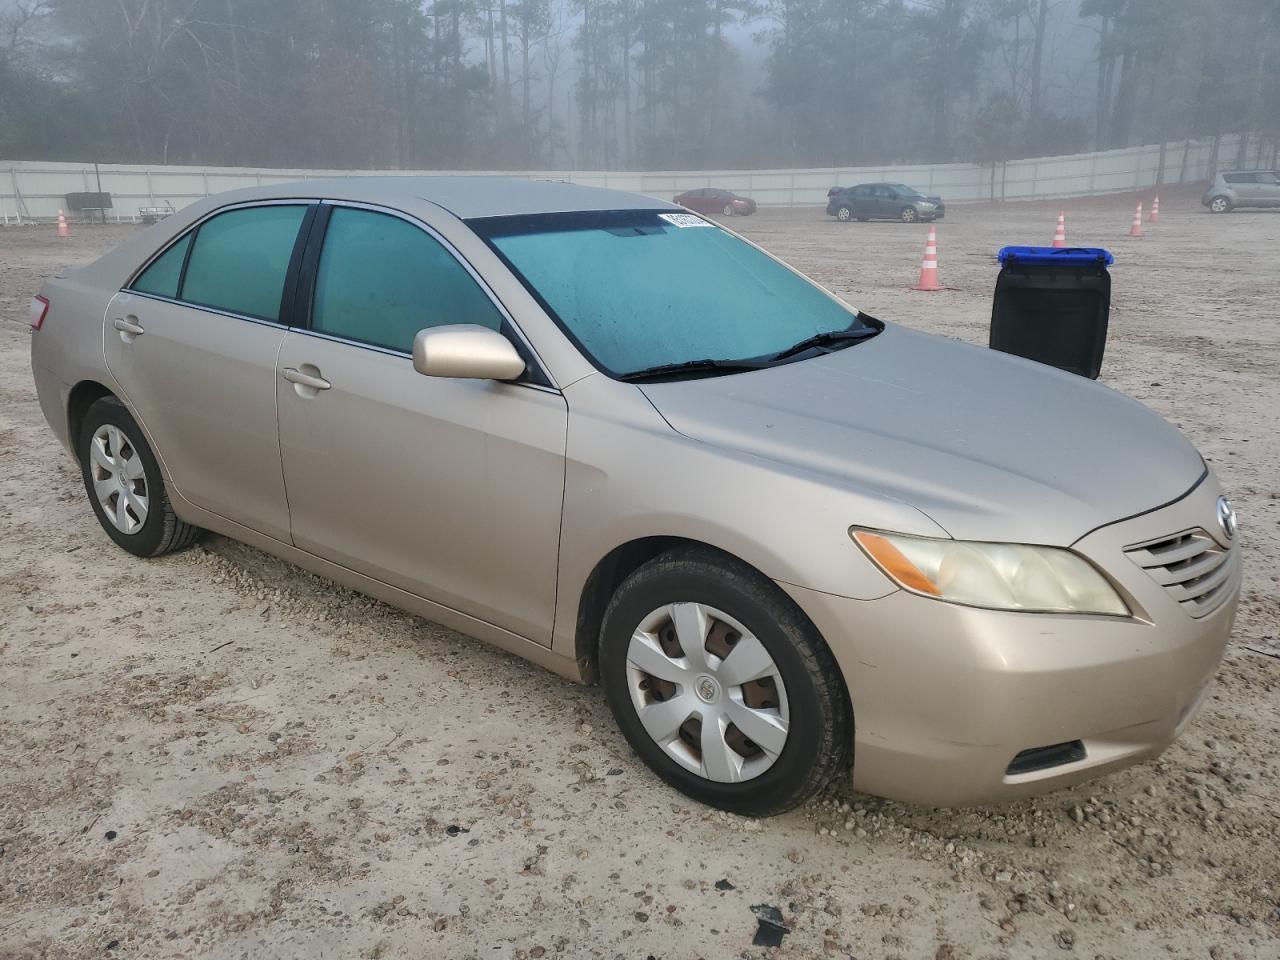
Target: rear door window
[[241, 258], [382, 279], [161, 279]]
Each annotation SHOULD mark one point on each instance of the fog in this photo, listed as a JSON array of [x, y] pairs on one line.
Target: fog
[[626, 84]]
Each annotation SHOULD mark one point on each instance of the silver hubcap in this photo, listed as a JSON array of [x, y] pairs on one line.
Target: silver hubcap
[[842, 214], [707, 692], [1219, 205], [119, 481], [908, 215]]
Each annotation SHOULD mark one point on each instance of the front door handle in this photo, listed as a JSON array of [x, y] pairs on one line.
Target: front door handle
[[298, 378], [129, 328]]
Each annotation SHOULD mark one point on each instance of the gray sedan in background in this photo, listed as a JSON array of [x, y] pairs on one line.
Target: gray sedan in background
[[610, 436]]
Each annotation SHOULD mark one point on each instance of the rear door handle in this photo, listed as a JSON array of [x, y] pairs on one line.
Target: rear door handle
[[129, 326], [305, 379]]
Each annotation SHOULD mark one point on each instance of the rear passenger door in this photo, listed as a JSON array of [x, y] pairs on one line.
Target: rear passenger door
[[864, 206], [192, 345], [886, 204], [1250, 189], [448, 489]]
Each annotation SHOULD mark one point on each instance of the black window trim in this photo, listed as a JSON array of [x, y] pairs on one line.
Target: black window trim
[[535, 374]]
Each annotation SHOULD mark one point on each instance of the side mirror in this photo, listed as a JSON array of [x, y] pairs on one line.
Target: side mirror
[[466, 351]]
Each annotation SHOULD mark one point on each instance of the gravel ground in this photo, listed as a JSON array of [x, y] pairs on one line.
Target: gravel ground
[[218, 755]]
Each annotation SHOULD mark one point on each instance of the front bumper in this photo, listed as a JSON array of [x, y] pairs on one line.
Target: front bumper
[[944, 696]]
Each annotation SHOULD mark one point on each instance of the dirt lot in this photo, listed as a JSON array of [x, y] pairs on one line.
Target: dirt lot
[[217, 755]]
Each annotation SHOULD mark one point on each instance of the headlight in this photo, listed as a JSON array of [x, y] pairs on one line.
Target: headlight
[[1001, 576]]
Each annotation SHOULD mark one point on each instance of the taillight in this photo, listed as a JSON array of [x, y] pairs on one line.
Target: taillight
[[39, 310]]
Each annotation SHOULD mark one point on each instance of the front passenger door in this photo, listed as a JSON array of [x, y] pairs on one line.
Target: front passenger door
[[449, 489], [1269, 188]]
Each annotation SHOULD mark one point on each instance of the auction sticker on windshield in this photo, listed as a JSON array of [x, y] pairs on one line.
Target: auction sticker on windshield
[[684, 220]]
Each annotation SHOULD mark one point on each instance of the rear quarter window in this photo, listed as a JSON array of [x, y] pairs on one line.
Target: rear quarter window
[[162, 277]]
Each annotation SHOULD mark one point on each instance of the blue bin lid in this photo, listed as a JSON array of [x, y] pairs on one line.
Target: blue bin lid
[[1057, 256]]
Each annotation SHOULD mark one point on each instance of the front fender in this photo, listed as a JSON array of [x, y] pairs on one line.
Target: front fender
[[630, 476]]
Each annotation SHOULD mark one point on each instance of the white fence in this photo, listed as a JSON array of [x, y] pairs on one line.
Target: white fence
[[37, 190]]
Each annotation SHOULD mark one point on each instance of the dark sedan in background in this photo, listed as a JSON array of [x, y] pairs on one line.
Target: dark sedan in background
[[883, 201], [713, 200]]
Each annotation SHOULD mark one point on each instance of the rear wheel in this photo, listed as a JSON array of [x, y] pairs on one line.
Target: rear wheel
[[124, 485], [844, 214], [722, 686], [909, 215], [1220, 205]]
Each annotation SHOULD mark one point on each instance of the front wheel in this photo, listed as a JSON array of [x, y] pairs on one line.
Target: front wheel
[[722, 685], [728, 210], [1220, 205], [844, 214], [909, 215], [124, 485]]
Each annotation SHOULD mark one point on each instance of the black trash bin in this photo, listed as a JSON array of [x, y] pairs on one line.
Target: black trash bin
[[1052, 306]]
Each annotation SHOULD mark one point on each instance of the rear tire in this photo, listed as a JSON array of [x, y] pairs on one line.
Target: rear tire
[[844, 214], [1220, 205], [122, 479], [795, 704]]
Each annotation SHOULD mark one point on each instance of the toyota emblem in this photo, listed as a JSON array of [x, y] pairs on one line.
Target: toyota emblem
[[1227, 518]]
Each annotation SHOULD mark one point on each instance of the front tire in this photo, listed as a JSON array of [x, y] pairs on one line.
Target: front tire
[[122, 479], [1220, 205], [909, 215], [722, 685], [728, 210]]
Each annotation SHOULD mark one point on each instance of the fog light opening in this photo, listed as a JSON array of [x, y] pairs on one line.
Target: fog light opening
[[1045, 758]]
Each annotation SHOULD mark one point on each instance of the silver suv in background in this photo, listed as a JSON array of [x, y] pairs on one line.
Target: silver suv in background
[[1243, 188]]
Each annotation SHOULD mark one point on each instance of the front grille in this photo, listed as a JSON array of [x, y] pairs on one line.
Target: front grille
[[1191, 566]]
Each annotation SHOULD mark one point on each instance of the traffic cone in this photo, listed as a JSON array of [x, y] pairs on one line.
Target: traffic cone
[[1155, 210], [1135, 230], [63, 230], [929, 266], [1060, 234]]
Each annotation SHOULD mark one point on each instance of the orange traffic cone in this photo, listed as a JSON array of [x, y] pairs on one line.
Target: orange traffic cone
[[1060, 234], [63, 230], [929, 266], [1155, 210], [1136, 229]]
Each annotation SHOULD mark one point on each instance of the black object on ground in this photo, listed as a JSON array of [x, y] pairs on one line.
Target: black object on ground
[[1053, 306], [771, 930]]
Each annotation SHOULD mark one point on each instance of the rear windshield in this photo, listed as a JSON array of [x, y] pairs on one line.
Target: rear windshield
[[639, 289]]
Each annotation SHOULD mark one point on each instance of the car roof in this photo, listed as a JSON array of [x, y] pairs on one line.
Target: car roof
[[466, 197]]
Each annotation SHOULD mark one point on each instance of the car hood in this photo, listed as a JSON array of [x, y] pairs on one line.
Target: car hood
[[991, 447]]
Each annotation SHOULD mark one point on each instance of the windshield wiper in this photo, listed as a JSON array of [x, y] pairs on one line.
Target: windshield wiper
[[830, 338], [693, 366]]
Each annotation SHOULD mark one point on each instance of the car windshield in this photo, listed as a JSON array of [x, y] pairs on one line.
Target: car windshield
[[638, 290]]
